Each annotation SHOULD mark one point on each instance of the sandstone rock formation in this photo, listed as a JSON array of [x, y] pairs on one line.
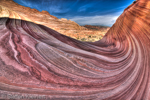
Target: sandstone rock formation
[[102, 28], [36, 61], [10, 9]]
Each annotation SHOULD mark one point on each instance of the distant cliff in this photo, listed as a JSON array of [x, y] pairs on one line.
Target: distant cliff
[[8, 8]]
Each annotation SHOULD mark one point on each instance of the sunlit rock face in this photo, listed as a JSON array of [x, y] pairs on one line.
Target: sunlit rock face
[[37, 61], [10, 9]]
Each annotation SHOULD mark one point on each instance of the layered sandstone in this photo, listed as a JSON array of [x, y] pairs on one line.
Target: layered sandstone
[[10, 9], [36, 61]]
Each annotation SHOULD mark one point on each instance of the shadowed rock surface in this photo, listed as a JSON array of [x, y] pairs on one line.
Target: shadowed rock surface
[[38, 61]]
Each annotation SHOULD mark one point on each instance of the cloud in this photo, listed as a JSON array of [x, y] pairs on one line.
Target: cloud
[[105, 20], [84, 8]]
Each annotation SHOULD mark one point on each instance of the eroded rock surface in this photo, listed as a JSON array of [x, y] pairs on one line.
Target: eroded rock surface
[[38, 61]]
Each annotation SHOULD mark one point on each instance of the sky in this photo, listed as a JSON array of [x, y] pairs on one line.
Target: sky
[[83, 12]]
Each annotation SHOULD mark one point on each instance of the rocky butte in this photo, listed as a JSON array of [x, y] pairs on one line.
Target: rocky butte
[[10, 9], [37, 61]]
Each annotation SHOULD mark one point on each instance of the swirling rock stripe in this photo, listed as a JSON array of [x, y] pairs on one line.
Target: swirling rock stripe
[[37, 60]]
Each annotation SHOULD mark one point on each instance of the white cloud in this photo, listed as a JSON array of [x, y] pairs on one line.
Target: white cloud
[[106, 20], [84, 8]]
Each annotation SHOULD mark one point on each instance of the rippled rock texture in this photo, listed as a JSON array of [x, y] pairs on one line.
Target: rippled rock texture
[[38, 61]]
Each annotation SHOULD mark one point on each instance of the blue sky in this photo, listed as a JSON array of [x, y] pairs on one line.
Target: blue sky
[[91, 12]]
